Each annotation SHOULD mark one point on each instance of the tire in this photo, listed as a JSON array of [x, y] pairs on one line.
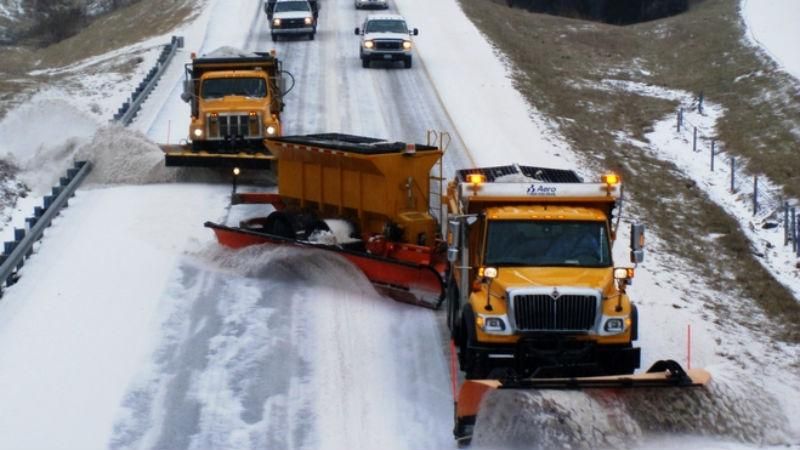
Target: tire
[[634, 323], [311, 37], [274, 37], [470, 363], [365, 63], [453, 307], [407, 63]]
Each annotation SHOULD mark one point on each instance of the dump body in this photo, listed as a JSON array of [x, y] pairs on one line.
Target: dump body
[[236, 102], [552, 306], [376, 184]]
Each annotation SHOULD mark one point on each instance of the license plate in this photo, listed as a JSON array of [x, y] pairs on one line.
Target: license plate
[[387, 56]]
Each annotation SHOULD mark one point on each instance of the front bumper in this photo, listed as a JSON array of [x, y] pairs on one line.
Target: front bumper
[[304, 30], [371, 4], [378, 55], [547, 358]]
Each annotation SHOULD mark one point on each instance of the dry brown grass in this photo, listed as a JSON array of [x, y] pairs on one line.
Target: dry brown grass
[[559, 60], [120, 28]]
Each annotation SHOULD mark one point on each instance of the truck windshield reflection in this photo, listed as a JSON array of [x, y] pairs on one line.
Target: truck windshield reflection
[[547, 243]]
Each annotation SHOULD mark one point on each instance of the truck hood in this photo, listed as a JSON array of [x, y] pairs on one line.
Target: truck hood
[[520, 277], [388, 36], [291, 15]]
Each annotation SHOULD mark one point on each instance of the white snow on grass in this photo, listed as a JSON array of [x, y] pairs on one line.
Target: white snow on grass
[[773, 26]]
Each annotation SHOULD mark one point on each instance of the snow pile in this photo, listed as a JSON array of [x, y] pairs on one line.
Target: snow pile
[[774, 29], [624, 418], [229, 52], [41, 136]]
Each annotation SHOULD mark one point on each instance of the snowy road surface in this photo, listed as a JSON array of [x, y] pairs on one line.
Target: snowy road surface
[[132, 329]]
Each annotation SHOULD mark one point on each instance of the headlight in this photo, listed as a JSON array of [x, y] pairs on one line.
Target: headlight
[[198, 132], [369, 44], [492, 324], [270, 130], [276, 22], [614, 325], [307, 20], [406, 45]]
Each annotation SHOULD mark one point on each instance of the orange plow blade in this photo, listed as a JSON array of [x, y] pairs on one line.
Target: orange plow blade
[[663, 374], [405, 282]]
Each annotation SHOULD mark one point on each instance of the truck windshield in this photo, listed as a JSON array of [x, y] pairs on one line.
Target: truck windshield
[[291, 6], [386, 26], [547, 243], [245, 87]]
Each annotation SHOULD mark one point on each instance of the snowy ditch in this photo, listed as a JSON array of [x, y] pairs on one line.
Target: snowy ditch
[[765, 228]]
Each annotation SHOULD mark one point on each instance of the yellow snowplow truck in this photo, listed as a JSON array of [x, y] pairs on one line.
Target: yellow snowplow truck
[[532, 289], [236, 101]]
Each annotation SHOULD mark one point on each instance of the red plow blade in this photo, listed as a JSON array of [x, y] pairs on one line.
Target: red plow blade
[[405, 282]]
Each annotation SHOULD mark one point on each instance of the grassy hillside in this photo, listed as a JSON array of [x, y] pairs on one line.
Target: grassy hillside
[[117, 29], [560, 64]]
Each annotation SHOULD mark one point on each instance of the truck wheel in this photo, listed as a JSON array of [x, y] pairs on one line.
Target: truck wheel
[[634, 323], [274, 37], [407, 63], [470, 362], [311, 36], [365, 63], [453, 323]]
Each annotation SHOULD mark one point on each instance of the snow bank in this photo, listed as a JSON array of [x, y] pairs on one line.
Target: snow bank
[[624, 418]]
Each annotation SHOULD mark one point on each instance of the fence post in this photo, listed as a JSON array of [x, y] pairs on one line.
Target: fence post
[[755, 194], [785, 223], [700, 103], [694, 140], [713, 142], [794, 230], [733, 174], [680, 118]]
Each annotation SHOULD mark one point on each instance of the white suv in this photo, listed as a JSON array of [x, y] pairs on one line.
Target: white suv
[[293, 17], [385, 37]]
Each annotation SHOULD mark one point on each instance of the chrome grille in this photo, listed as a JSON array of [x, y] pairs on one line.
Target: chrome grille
[[544, 313], [228, 126], [388, 45], [293, 23]]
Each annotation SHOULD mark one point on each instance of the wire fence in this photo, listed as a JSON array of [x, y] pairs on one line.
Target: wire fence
[[763, 201]]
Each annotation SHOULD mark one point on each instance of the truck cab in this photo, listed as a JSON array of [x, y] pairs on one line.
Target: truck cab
[[236, 101], [532, 288]]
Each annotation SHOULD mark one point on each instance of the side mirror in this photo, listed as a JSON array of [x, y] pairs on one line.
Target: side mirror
[[357, 31], [637, 243], [453, 239], [188, 91], [415, 32]]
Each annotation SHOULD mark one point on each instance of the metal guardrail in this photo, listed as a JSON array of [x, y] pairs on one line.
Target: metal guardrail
[[16, 251], [127, 112]]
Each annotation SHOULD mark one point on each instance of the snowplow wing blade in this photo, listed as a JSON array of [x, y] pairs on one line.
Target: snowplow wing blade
[[405, 282], [184, 156], [663, 374]]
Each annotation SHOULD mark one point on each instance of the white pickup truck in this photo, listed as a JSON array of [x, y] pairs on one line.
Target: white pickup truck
[[385, 37], [292, 18]]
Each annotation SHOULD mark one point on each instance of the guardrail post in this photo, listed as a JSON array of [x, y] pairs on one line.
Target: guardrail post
[[15, 252], [694, 140], [733, 174], [680, 118]]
